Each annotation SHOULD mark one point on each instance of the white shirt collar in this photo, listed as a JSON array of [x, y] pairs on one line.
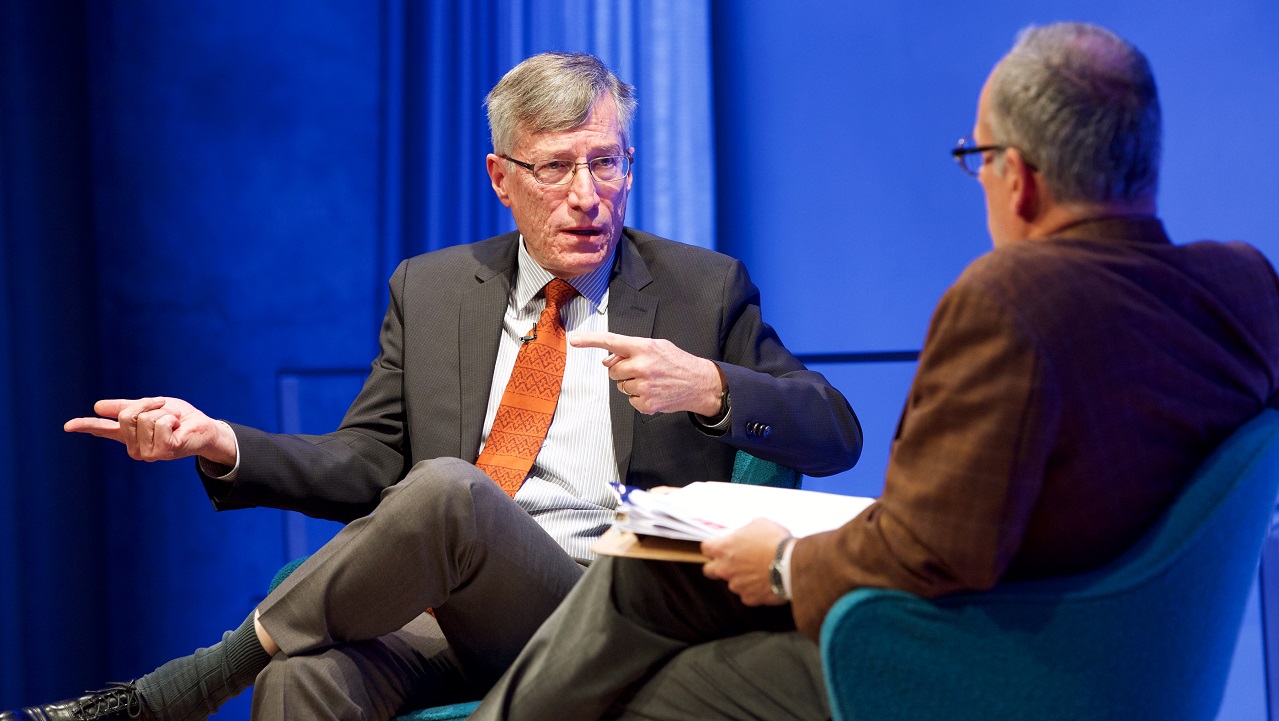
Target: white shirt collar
[[530, 278]]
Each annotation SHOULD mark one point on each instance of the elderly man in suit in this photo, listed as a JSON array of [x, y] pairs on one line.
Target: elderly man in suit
[[474, 466], [1071, 381]]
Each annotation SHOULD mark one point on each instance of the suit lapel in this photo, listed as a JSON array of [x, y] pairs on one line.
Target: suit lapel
[[479, 330], [630, 312]]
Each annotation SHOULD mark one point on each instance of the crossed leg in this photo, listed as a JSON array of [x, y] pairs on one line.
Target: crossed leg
[[349, 621]]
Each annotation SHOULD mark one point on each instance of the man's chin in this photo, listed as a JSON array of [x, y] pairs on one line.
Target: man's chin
[[571, 265]]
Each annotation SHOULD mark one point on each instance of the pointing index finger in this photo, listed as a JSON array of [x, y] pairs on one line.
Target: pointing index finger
[[101, 427], [622, 345]]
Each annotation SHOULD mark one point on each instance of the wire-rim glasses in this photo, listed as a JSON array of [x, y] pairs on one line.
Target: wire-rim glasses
[[604, 169]]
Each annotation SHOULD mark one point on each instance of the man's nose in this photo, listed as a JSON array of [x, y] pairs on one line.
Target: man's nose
[[581, 189]]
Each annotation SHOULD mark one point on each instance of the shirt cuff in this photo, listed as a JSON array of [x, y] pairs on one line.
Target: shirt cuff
[[716, 426], [217, 471]]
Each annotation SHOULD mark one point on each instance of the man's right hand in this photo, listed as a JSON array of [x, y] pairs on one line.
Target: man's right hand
[[159, 429]]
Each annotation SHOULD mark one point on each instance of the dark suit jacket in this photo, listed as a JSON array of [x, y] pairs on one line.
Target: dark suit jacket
[[428, 390], [1066, 391]]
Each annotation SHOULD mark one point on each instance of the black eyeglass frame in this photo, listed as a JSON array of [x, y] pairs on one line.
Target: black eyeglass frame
[[568, 178], [962, 150]]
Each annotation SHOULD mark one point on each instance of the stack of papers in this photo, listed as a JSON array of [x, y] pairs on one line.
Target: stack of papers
[[702, 511]]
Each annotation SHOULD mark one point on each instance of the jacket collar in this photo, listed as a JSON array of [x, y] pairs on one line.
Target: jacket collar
[[1133, 229]]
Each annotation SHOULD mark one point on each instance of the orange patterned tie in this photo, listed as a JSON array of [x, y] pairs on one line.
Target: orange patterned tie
[[528, 403]]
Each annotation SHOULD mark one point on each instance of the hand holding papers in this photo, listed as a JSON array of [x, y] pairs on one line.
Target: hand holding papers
[[701, 511]]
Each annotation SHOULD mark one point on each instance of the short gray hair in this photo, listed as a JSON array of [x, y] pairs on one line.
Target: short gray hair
[[551, 92], [1080, 103]]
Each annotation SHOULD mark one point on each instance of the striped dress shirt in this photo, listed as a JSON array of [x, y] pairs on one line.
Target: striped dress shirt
[[567, 491]]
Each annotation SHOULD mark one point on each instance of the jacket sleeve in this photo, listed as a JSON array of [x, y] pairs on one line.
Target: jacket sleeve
[[781, 411], [339, 475], [963, 476]]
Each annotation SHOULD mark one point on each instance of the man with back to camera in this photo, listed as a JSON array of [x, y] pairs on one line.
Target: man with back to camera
[[1085, 357], [474, 367]]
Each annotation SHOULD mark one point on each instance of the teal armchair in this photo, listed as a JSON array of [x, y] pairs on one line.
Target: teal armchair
[[1148, 636], [746, 469]]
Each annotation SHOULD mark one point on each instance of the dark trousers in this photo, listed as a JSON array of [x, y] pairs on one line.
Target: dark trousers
[[658, 640], [354, 639]]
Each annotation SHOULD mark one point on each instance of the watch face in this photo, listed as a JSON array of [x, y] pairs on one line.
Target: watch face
[[775, 570], [775, 580]]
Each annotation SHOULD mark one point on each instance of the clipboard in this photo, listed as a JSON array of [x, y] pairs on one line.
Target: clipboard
[[653, 548]]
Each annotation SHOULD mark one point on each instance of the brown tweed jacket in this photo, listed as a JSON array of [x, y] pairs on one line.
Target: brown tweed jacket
[[1066, 390]]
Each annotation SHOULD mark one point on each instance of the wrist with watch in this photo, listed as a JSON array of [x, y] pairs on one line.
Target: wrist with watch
[[775, 582]]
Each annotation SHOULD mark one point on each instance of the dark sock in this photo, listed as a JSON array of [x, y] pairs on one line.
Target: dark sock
[[193, 687]]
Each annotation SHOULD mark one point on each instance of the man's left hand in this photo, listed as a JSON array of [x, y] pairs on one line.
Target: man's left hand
[[742, 558], [658, 376]]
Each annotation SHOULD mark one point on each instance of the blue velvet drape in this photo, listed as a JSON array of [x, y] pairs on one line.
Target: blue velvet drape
[[205, 199], [51, 530]]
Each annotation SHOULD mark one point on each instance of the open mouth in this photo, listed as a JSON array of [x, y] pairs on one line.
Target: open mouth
[[584, 232]]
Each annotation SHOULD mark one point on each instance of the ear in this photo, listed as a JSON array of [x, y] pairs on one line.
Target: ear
[[498, 174], [630, 177], [1025, 187]]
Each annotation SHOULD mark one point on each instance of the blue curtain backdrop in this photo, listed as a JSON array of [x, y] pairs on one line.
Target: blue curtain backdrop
[[451, 54], [51, 527], [204, 199]]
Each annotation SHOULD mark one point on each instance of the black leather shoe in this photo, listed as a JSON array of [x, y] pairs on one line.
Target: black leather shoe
[[117, 702]]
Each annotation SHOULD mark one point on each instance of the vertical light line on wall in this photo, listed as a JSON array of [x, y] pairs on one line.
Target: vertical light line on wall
[[391, 245], [603, 30], [473, 25], [526, 29], [436, 202], [708, 142]]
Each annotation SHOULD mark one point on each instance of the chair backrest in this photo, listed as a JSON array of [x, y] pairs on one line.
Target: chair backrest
[[1148, 636]]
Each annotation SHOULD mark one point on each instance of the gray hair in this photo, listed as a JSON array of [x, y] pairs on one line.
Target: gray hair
[[1080, 103], [551, 92]]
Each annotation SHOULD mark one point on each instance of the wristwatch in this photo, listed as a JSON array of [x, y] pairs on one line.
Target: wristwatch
[[775, 570]]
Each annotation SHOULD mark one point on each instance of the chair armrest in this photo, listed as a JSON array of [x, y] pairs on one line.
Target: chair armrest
[[759, 472]]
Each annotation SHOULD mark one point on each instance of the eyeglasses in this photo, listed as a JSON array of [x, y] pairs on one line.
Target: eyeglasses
[[605, 169], [971, 156]]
